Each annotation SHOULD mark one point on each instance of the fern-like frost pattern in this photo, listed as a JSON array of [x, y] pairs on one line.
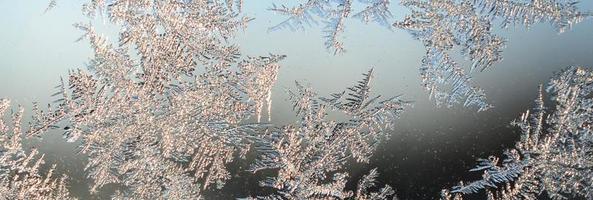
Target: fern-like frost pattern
[[163, 110], [20, 176], [445, 26], [333, 14], [310, 155], [553, 156]]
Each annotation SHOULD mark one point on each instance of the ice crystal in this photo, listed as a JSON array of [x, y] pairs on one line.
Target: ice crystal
[[310, 155], [50, 5], [161, 112], [19, 170], [367, 182], [447, 82], [333, 14], [447, 25], [165, 109], [443, 26], [554, 152]]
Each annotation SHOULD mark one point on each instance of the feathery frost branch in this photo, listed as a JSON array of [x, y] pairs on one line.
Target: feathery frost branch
[[311, 154], [447, 25], [166, 108], [554, 152], [20, 176], [333, 14]]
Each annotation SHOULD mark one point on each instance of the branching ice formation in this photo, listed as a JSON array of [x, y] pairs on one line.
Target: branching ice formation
[[165, 109], [553, 156], [447, 25], [443, 26], [333, 14], [311, 154], [50, 5], [19, 170], [162, 112]]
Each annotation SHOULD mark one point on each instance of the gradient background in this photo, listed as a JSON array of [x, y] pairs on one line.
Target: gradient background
[[431, 148]]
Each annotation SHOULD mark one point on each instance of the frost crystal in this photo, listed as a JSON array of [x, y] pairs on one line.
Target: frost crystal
[[19, 170], [554, 153], [311, 154], [50, 5], [447, 25], [443, 26], [447, 82], [333, 14], [162, 112]]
